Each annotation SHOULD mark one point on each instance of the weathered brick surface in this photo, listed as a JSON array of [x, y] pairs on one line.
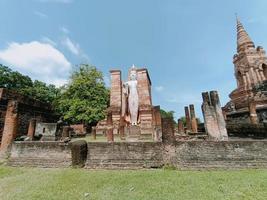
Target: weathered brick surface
[[194, 124], [250, 71], [115, 90], [40, 154], [167, 130], [31, 129], [188, 119], [183, 155], [130, 155], [226, 154], [134, 155], [10, 126], [180, 126], [79, 129]]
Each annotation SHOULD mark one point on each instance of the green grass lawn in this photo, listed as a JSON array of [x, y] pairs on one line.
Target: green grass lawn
[[75, 184]]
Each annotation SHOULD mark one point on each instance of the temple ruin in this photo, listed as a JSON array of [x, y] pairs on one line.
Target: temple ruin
[[146, 139], [131, 113], [248, 103]]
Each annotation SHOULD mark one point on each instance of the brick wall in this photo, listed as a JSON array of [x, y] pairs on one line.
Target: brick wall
[[40, 154], [2, 118], [183, 155], [124, 155], [226, 154]]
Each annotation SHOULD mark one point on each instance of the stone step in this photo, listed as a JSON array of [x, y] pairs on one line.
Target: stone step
[[124, 164], [47, 163]]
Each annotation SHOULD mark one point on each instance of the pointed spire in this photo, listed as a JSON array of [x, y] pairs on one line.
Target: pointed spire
[[243, 39]]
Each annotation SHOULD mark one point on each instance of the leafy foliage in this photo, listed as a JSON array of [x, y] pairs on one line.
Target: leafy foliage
[[13, 80], [166, 114], [85, 98], [24, 85]]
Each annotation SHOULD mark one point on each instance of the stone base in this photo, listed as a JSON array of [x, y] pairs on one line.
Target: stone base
[[133, 133], [48, 138]]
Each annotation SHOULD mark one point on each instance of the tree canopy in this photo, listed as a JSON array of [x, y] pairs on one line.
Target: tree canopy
[[85, 98], [166, 114], [24, 85]]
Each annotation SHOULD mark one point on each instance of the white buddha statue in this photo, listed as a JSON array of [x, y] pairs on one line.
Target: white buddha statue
[[130, 91]]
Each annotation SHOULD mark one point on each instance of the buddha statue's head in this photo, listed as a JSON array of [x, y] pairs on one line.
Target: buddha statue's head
[[133, 74]]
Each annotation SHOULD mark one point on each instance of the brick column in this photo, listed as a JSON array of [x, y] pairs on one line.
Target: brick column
[[252, 113], [110, 135], [94, 132], [65, 132], [10, 126], [188, 120], [167, 130], [180, 126], [31, 128], [121, 131], [194, 124]]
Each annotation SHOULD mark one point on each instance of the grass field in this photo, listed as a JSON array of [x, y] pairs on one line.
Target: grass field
[[75, 184]]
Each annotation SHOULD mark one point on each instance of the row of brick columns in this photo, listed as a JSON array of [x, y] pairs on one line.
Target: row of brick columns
[[10, 126], [191, 121]]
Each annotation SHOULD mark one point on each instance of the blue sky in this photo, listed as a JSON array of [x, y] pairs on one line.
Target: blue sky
[[187, 45]]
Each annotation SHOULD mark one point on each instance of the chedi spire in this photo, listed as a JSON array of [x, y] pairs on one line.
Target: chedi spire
[[243, 39]]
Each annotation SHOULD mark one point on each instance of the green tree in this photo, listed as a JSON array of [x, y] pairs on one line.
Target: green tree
[[183, 118], [166, 114], [85, 98], [13, 79], [24, 85], [42, 92]]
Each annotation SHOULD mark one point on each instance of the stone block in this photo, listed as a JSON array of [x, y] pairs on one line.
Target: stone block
[[214, 120]]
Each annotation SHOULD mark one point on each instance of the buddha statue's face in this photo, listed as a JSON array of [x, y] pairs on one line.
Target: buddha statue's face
[[133, 75]]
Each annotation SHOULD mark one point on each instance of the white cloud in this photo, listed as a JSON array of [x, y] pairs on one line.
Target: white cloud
[[71, 46], [74, 48], [49, 41], [38, 60], [64, 30], [40, 14], [55, 1], [159, 88]]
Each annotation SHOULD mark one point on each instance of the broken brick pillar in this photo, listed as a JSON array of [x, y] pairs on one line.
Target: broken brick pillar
[[167, 129], [188, 119], [252, 113], [31, 128], [122, 127], [110, 135], [157, 135], [180, 126], [213, 117], [11, 125], [194, 124], [94, 132], [65, 132]]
